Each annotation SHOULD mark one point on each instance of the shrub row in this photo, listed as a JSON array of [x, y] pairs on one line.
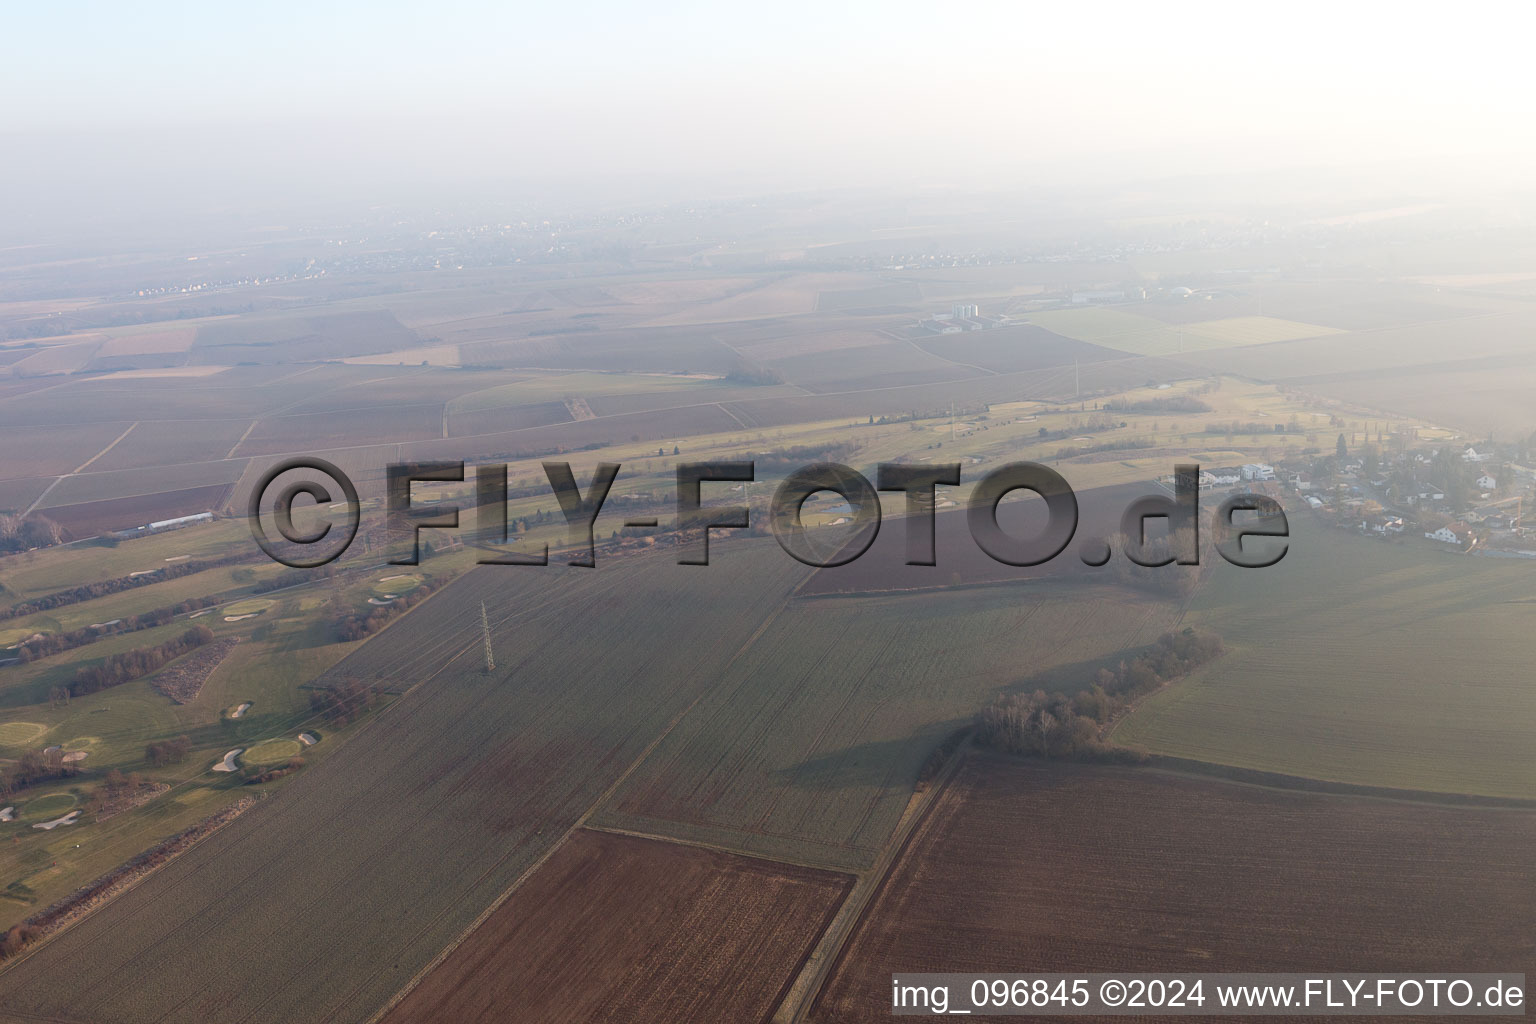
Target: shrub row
[[130, 665], [1071, 725]]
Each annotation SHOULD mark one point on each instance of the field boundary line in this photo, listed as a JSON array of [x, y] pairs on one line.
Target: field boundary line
[[828, 951], [42, 497], [702, 844], [81, 468], [235, 447], [722, 408], [111, 894], [580, 823], [1259, 778]]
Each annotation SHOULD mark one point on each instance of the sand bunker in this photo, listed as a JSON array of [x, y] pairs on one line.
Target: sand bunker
[[143, 572], [388, 599], [237, 618], [396, 576], [178, 558], [309, 739], [7, 813], [75, 756], [228, 764], [205, 611], [104, 625], [240, 710], [68, 819]]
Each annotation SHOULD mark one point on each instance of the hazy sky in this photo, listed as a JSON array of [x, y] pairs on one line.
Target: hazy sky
[[106, 100]]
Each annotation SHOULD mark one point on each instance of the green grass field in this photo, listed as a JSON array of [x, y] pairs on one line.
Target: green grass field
[[1111, 328], [1232, 332], [1361, 661]]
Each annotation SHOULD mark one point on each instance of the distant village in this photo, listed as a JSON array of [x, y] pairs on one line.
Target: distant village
[[1465, 498]]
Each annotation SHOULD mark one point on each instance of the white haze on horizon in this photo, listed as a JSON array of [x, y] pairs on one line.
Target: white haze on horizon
[[139, 110]]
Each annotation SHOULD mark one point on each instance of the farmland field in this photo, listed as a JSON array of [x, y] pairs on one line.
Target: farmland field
[[296, 339], [642, 349], [167, 442], [1132, 332], [877, 366], [308, 431], [615, 928], [1055, 867], [1361, 661], [1485, 395], [1111, 328], [1392, 350], [1009, 349], [1235, 331], [55, 450], [451, 793], [87, 519], [1348, 306], [811, 744]]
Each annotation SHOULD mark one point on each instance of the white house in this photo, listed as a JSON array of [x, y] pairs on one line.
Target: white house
[[1487, 482], [1471, 455], [1258, 471], [1447, 535]]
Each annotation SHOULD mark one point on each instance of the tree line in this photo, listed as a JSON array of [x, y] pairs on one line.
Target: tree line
[[130, 665], [357, 625], [163, 752], [32, 768], [342, 701], [1292, 426], [1071, 725], [45, 644], [22, 533], [102, 588], [1173, 403]]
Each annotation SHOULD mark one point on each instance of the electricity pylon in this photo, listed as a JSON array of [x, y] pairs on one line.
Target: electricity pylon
[[485, 630]]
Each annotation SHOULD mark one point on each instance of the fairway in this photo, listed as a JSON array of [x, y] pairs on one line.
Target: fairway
[[395, 585], [45, 807], [254, 606], [271, 752], [1361, 661]]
